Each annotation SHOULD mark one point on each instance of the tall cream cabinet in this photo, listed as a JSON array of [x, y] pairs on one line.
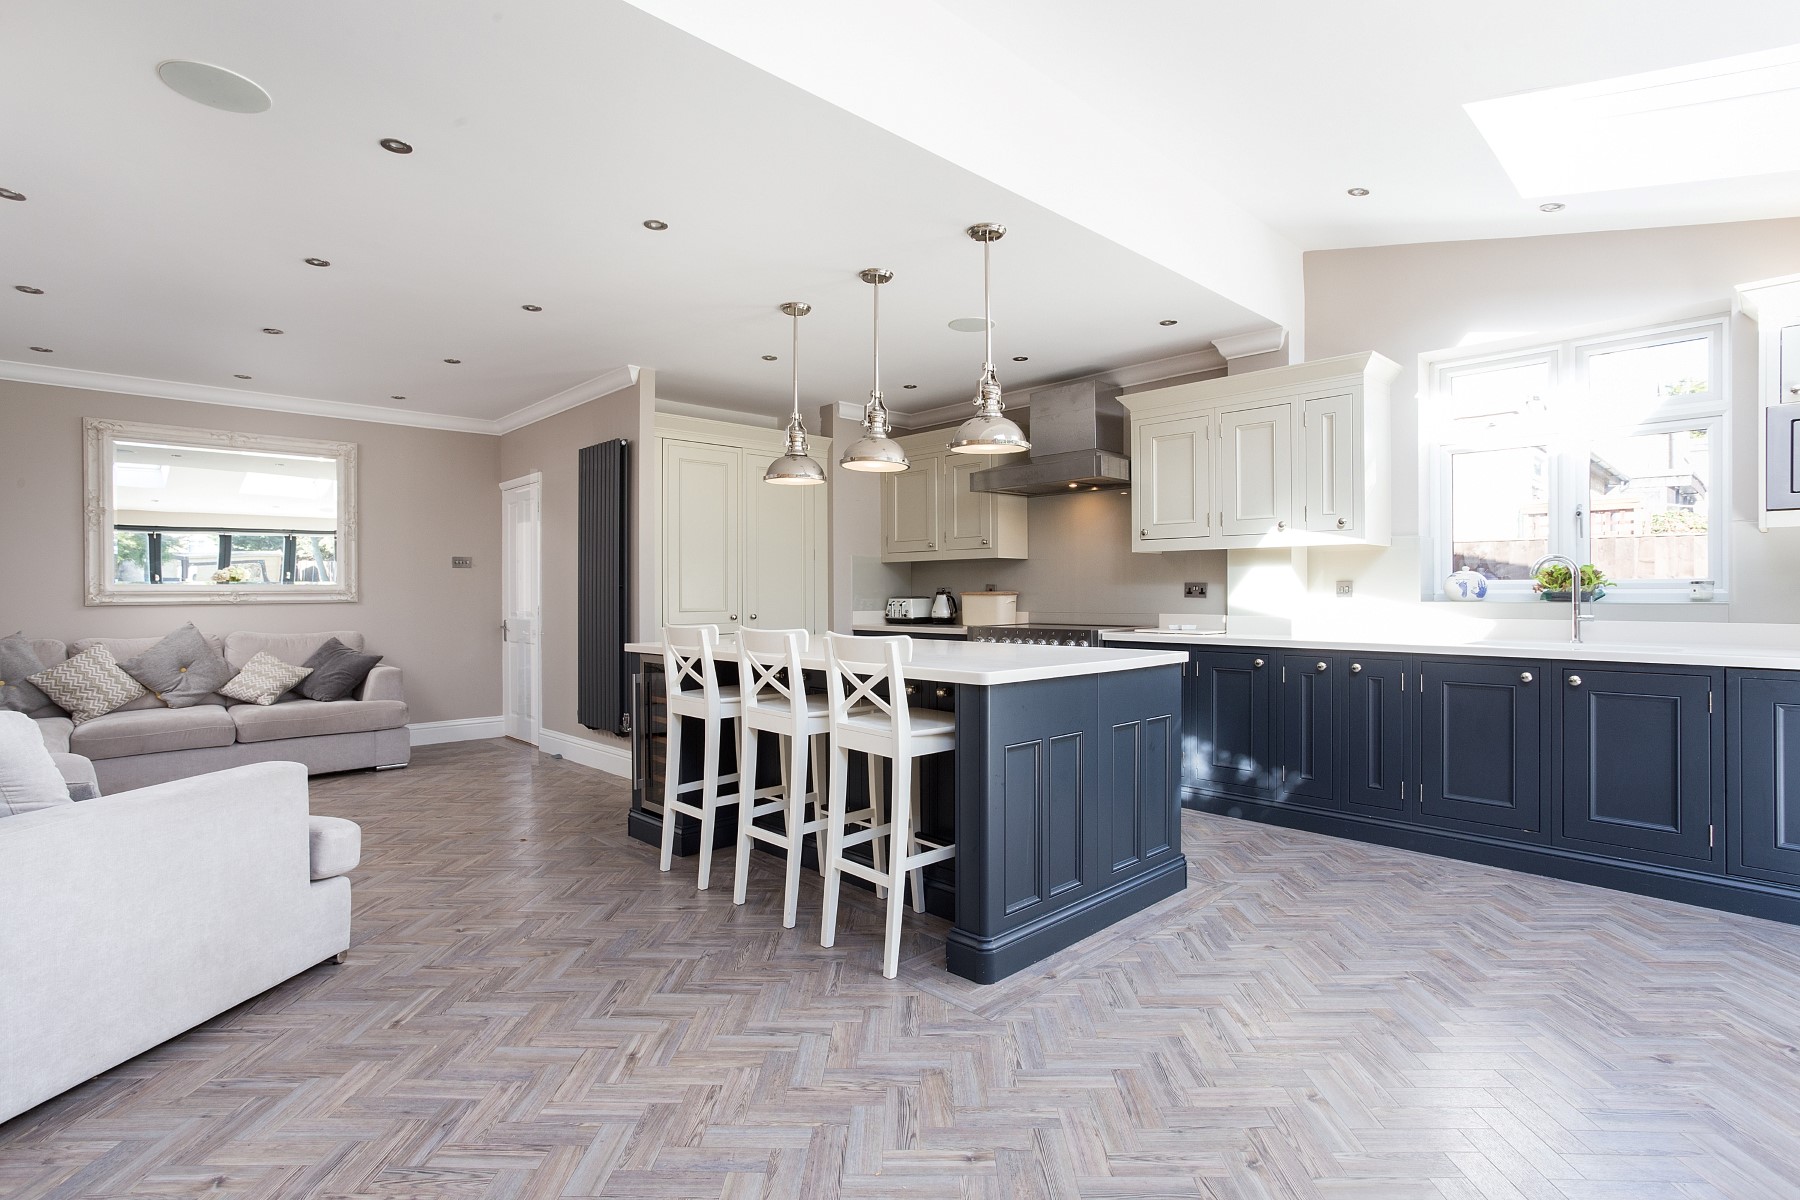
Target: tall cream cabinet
[[1290, 456], [929, 514], [735, 550]]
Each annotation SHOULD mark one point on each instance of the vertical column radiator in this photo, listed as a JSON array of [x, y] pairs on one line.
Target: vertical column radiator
[[603, 598]]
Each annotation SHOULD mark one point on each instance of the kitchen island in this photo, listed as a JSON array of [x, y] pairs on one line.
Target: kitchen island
[[1061, 795]]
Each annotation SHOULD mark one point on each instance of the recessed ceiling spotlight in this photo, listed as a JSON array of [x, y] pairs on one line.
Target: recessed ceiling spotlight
[[532, 307], [394, 146], [969, 325], [43, 350], [1021, 358], [659, 226], [317, 262], [768, 358], [1073, 486], [453, 361], [1358, 192], [9, 194], [1167, 322], [267, 329], [28, 289], [909, 386], [1553, 206], [240, 377], [213, 86]]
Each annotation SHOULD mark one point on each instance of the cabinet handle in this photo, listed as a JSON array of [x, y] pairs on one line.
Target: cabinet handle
[[1795, 390], [1524, 676], [1320, 666], [931, 545], [1256, 662], [1281, 524], [734, 616], [1143, 533], [1342, 522], [984, 541], [942, 693], [1574, 681], [753, 616], [1356, 668]]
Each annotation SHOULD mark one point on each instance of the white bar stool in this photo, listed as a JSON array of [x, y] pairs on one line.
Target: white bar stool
[[691, 681], [773, 689], [881, 726]]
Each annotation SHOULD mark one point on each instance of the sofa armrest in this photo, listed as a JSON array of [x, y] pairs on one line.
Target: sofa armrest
[[78, 773], [384, 683], [336, 846]]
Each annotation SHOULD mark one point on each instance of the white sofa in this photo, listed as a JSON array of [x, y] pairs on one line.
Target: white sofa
[[129, 919]]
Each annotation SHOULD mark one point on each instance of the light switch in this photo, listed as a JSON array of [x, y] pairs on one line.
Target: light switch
[[458, 560]]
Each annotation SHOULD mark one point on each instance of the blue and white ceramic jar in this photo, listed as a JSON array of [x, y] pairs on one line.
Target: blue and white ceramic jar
[[1466, 585]]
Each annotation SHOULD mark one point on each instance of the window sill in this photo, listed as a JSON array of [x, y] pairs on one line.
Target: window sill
[[1610, 600]]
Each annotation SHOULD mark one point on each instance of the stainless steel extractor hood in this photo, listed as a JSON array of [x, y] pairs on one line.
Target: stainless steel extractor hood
[[1077, 443]]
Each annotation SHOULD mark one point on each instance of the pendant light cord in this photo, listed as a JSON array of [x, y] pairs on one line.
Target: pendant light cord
[[987, 303], [794, 362]]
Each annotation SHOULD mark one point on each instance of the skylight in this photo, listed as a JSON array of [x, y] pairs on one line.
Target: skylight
[[1724, 119]]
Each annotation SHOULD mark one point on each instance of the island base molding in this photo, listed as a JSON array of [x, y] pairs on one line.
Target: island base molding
[[1722, 892]]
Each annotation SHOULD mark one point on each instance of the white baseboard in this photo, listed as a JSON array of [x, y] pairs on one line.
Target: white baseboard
[[464, 729], [614, 760]]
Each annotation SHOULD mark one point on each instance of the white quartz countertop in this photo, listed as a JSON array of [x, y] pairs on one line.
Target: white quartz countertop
[[1595, 649], [986, 664]]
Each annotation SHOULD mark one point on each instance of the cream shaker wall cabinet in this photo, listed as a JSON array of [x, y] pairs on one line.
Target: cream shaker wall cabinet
[[735, 550], [930, 514], [1290, 456], [1775, 306]]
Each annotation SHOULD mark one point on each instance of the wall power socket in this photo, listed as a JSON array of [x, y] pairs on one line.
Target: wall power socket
[[1346, 588], [1193, 591]]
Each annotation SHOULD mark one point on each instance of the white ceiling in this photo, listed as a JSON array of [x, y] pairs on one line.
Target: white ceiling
[[166, 234], [1154, 159], [1292, 102]]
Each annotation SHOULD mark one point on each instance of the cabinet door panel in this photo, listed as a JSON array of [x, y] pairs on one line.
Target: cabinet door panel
[[1482, 743], [1764, 814], [1373, 735], [1228, 742], [1637, 760], [910, 504], [784, 562], [968, 517], [1257, 469], [1173, 493], [702, 488], [1330, 465], [1306, 764]]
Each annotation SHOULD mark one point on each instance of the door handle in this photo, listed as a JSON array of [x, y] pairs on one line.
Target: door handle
[[1524, 676], [1320, 666], [1574, 681]]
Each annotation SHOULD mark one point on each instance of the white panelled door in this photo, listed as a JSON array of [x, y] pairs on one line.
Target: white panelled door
[[1329, 460], [702, 507], [1257, 469], [780, 536], [521, 586], [1172, 496]]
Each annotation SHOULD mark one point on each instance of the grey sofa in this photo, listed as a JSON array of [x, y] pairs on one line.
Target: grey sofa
[[146, 742], [134, 917]]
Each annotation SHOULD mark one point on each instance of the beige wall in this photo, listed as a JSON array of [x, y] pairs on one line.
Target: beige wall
[[1404, 301], [551, 447], [425, 495]]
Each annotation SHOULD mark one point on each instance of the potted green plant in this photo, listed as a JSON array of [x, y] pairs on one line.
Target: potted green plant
[[1552, 582]]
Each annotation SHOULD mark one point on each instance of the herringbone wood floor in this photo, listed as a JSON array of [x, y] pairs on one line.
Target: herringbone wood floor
[[532, 1010]]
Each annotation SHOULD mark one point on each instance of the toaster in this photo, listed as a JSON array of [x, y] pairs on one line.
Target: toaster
[[909, 608]]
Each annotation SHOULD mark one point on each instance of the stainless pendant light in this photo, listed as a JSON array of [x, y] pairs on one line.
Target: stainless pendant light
[[796, 467], [988, 431], [876, 449]]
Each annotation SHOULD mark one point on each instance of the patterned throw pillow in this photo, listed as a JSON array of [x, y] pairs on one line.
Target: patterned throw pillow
[[89, 685], [263, 679], [18, 663]]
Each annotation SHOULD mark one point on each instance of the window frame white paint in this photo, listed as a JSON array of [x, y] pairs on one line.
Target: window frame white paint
[[1568, 449]]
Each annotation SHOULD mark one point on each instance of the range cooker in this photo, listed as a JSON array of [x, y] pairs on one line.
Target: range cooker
[[1036, 635]]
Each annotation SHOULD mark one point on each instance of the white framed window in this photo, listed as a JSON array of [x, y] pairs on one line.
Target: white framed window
[[1609, 449]]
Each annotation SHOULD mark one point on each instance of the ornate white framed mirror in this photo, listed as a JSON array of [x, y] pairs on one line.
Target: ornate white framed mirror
[[200, 516]]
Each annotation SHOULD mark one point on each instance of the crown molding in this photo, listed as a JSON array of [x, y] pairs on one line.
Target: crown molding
[[728, 416], [589, 389], [308, 406], [1257, 341]]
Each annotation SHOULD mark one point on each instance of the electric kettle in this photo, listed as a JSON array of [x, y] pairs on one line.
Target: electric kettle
[[944, 606]]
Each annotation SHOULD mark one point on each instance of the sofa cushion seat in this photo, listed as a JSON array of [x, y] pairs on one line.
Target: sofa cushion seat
[[152, 731], [56, 731], [311, 718]]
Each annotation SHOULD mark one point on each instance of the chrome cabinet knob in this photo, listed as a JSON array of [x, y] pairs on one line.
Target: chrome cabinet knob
[[1143, 533], [1524, 676], [1320, 666], [734, 616], [931, 545], [1795, 390], [1356, 668], [1281, 524], [753, 616], [1256, 662], [942, 693], [1574, 681], [984, 541], [1342, 522]]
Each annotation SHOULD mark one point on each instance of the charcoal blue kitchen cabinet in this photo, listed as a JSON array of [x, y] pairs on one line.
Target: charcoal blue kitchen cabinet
[[1642, 773], [1763, 799], [1305, 759], [1229, 722], [1481, 744], [1373, 732]]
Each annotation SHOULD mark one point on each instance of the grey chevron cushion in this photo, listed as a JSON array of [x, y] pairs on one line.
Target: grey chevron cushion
[[18, 663], [89, 685], [182, 669]]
